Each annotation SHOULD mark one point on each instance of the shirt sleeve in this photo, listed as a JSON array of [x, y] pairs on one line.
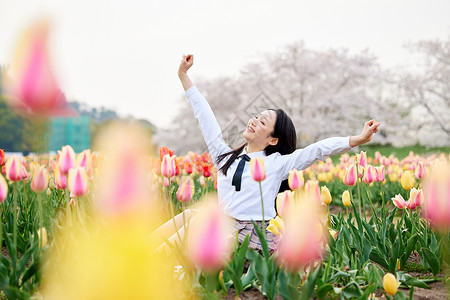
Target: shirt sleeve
[[304, 158], [209, 127]]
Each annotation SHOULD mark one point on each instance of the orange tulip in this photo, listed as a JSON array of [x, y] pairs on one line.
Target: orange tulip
[[257, 169], [2, 158]]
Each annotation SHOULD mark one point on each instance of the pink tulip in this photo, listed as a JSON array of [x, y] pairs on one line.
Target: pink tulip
[[399, 201], [60, 178], [437, 198], [84, 159], [78, 182], [66, 159], [295, 180], [166, 182], [284, 201], [379, 174], [350, 176], [415, 197], [24, 173], [40, 180], [13, 169], [3, 188], [186, 190], [257, 169], [34, 87], [362, 159], [167, 166], [312, 191], [302, 239], [369, 174], [210, 239], [421, 171]]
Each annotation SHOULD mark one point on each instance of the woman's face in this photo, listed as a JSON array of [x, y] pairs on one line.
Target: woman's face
[[259, 129]]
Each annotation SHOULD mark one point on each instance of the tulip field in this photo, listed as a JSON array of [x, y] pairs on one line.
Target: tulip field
[[81, 226]]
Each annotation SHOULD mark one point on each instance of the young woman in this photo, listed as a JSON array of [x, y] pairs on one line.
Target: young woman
[[270, 134]]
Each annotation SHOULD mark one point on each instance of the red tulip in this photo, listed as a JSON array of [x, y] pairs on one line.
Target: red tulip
[[206, 170], [2, 158]]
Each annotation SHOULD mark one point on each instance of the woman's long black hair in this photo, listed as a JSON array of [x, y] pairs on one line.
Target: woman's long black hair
[[284, 130]]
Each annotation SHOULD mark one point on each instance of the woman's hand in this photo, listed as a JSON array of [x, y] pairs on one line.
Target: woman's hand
[[370, 127], [186, 62]]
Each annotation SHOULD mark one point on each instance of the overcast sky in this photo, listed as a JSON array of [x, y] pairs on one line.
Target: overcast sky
[[124, 54]]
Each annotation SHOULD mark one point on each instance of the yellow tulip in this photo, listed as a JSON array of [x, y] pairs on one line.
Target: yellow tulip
[[43, 239], [346, 199], [326, 196], [390, 284], [407, 180]]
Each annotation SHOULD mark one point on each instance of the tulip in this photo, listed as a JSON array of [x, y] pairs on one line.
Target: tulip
[[78, 182], [186, 190], [295, 180], [420, 171], [326, 196], [84, 160], [350, 176], [437, 197], [167, 166], [163, 151], [60, 178], [257, 169], [2, 158], [407, 180], [13, 169], [284, 202], [188, 168], [206, 170], [369, 174], [312, 191], [34, 87], [3, 188], [379, 174], [66, 159], [40, 180], [43, 238], [346, 199], [362, 159], [301, 244], [415, 197], [399, 201], [210, 239], [276, 226], [390, 284], [24, 173]]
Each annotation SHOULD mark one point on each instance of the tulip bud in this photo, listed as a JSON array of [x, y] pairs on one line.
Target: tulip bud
[[43, 238], [295, 180], [186, 190], [3, 188], [390, 284], [420, 171], [66, 159], [379, 174], [40, 180], [399, 201], [13, 169], [78, 182], [407, 180], [326, 196], [346, 198], [350, 176], [257, 169], [369, 174], [284, 202]]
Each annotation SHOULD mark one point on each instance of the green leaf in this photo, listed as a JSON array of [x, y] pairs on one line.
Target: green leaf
[[30, 272], [323, 290], [376, 256], [286, 288], [264, 245], [413, 281], [433, 260], [308, 286]]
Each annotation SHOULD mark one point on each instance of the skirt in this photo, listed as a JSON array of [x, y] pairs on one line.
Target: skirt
[[244, 228]]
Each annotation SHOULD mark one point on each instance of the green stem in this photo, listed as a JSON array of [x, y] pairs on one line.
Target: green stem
[[262, 207], [371, 204], [15, 216]]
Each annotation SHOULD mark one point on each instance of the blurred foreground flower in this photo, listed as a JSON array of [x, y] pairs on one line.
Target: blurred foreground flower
[[211, 238], [33, 86], [437, 197]]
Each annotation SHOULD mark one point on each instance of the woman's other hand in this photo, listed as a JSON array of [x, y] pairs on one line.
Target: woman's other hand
[[370, 127]]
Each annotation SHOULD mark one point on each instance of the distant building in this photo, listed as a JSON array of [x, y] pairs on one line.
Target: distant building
[[73, 131]]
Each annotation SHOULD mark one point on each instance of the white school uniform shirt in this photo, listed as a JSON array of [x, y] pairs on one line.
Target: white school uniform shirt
[[246, 204]]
